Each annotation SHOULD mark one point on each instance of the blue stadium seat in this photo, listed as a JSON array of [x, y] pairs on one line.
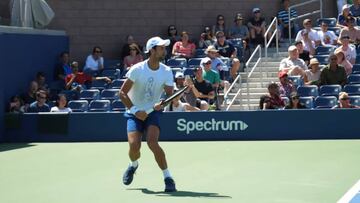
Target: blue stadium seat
[[70, 94], [325, 101], [189, 71], [99, 106], [330, 90], [308, 91], [336, 30], [357, 60], [111, 73], [296, 80], [356, 69], [323, 59], [78, 105], [116, 84], [307, 101], [194, 62], [200, 53], [177, 63], [321, 50], [352, 89], [90, 94], [355, 100], [51, 103], [354, 79], [110, 94], [286, 100], [99, 84], [330, 21], [117, 105], [112, 64]]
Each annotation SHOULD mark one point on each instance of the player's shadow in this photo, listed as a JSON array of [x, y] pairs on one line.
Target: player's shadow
[[181, 193], [11, 146]]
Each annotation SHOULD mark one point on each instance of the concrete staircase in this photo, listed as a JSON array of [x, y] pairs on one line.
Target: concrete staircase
[[270, 68]]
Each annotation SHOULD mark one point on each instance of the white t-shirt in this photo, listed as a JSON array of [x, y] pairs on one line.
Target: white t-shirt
[[56, 109], [93, 64], [350, 53], [322, 35], [313, 36], [313, 76], [148, 85], [288, 63], [180, 108]]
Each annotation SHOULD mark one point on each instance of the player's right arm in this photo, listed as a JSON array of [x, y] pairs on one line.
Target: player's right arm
[[142, 115]]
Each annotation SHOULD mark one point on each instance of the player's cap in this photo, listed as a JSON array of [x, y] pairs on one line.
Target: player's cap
[[156, 41], [256, 10]]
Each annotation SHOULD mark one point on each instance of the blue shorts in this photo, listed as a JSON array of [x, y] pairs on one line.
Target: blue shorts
[[135, 124]]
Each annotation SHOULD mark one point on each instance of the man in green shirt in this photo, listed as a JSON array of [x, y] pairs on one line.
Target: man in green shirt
[[333, 73]]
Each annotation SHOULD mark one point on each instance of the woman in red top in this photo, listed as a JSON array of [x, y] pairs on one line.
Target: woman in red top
[[134, 56], [184, 48]]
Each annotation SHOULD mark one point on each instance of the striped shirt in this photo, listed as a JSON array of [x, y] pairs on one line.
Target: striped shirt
[[284, 15]]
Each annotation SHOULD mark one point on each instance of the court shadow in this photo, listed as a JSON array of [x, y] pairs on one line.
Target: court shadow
[[11, 146], [182, 193]]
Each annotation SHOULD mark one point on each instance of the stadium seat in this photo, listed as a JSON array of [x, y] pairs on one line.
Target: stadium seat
[[117, 105], [189, 71], [286, 100], [110, 94], [99, 106], [226, 61], [177, 63], [194, 62], [116, 84], [112, 64], [308, 91], [330, 90], [51, 103], [78, 105], [200, 53], [357, 60], [356, 69], [99, 84], [323, 59], [111, 73], [336, 30], [90, 94], [355, 100], [296, 80], [354, 79], [352, 89], [325, 101], [307, 101], [330, 21], [322, 50], [70, 94]]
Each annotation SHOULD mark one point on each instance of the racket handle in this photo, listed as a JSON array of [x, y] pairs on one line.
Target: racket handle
[[149, 110]]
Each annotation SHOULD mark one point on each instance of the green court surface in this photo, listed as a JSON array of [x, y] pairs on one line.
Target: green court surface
[[239, 171]]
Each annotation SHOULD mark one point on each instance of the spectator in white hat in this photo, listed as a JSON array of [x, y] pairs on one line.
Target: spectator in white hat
[[257, 27], [293, 64]]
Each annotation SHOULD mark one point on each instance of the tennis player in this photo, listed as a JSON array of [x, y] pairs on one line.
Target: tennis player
[[140, 92]]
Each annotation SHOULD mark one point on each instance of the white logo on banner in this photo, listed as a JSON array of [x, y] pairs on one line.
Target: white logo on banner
[[210, 125]]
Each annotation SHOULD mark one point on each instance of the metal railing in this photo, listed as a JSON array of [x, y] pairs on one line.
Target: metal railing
[[276, 33], [258, 49], [304, 15]]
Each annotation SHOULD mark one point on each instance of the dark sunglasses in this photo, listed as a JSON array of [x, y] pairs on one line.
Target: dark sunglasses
[[293, 98], [42, 97], [207, 63], [344, 99], [98, 51], [132, 49], [221, 36], [172, 28]]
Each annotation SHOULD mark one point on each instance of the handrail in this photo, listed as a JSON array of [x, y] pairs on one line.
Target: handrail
[[258, 49], [276, 33], [304, 15]]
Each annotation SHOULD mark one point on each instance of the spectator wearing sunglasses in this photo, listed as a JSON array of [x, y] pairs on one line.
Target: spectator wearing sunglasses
[[344, 102], [134, 57], [333, 74], [295, 102], [351, 31], [257, 26], [94, 62], [220, 25], [40, 104]]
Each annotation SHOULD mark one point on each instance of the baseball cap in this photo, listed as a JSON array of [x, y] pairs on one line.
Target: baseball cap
[[204, 61], [346, 6], [238, 17], [179, 75], [255, 10], [156, 41], [292, 48]]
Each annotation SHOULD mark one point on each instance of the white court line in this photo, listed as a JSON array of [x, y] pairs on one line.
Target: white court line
[[350, 194]]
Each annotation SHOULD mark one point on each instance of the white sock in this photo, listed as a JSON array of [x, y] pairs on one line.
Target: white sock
[[166, 173], [134, 163]]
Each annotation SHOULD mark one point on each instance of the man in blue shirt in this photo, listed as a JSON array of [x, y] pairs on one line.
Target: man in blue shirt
[[40, 104], [355, 8], [283, 16]]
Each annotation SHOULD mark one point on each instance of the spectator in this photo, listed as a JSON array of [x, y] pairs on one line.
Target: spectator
[[213, 76], [63, 68], [206, 91], [341, 22], [94, 62], [30, 96], [206, 38], [327, 37], [272, 100], [184, 48], [216, 63], [349, 50], [178, 106], [125, 51], [340, 5], [179, 80], [220, 25], [313, 73], [41, 80], [293, 64], [173, 37], [285, 85], [355, 8], [343, 61], [226, 49], [77, 79], [192, 96], [283, 16], [333, 73], [351, 31], [16, 105], [303, 54], [134, 57], [257, 27], [61, 105], [295, 102], [344, 101], [239, 30], [40, 104], [308, 35]]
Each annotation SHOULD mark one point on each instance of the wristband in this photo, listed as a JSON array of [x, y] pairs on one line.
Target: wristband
[[133, 110]]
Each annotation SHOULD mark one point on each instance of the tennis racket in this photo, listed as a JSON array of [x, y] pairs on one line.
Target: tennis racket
[[169, 99]]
